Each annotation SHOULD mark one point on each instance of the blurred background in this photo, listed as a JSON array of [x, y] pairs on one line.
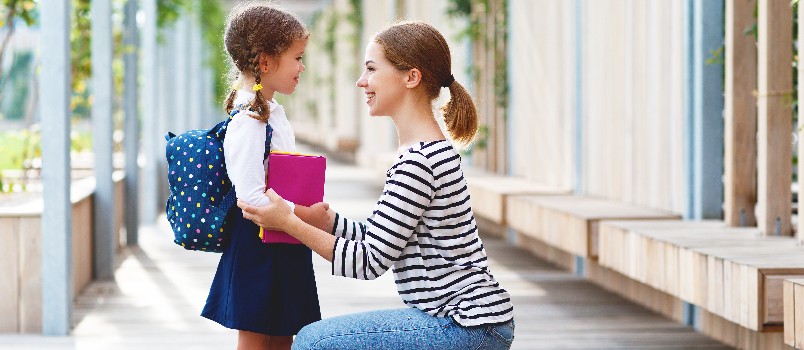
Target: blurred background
[[595, 110]]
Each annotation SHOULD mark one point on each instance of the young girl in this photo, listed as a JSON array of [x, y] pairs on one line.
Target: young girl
[[266, 291], [422, 228]]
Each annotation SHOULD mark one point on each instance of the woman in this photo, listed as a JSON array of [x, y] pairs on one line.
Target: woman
[[422, 227]]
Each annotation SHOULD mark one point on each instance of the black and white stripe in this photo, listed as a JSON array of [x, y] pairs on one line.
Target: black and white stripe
[[423, 228]]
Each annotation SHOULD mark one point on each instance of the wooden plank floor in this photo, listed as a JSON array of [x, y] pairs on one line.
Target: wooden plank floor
[[159, 290]]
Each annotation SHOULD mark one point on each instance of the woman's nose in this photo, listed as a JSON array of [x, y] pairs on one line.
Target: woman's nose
[[361, 82]]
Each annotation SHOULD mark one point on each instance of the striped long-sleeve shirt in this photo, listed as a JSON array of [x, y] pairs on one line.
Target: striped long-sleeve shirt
[[423, 228]]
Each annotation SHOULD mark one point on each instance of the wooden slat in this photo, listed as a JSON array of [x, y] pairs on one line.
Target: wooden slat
[[82, 244], [735, 273], [798, 325], [775, 80], [9, 280], [570, 222], [30, 275], [800, 231], [789, 312], [793, 312], [740, 144], [489, 192], [736, 336]]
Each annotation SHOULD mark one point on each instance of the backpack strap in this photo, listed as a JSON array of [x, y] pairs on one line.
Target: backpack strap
[[230, 198], [269, 133]]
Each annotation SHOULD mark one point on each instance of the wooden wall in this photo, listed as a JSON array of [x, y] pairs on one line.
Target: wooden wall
[[541, 110], [632, 102]]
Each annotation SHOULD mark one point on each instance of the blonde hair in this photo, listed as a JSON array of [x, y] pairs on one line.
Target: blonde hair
[[409, 45], [253, 28]]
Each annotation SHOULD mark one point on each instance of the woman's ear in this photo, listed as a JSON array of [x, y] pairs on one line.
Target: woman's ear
[[413, 78]]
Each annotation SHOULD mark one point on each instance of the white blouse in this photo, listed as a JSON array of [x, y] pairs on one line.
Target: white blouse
[[244, 147]]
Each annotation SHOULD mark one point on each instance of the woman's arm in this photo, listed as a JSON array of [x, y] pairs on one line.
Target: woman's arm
[[406, 196], [277, 215]]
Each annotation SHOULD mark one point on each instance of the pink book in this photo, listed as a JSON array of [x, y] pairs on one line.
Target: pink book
[[298, 178]]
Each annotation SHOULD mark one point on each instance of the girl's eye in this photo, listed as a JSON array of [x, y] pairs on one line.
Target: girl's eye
[[370, 69]]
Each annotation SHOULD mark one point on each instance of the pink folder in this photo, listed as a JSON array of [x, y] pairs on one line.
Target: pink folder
[[297, 178]]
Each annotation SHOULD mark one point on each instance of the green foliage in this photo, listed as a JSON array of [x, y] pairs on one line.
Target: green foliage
[[716, 56], [329, 39], [168, 11], [482, 138], [15, 86], [13, 146], [22, 9], [474, 12], [212, 19], [467, 9], [81, 58], [355, 17]]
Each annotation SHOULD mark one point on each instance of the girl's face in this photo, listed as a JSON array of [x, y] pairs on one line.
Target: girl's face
[[383, 83], [283, 77]]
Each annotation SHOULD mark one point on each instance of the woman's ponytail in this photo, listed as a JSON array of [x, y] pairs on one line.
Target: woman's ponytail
[[460, 114]]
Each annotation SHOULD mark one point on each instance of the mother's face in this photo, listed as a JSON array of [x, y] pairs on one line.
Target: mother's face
[[381, 81]]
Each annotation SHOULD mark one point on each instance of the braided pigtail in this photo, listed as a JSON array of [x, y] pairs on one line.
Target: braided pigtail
[[259, 105], [229, 104]]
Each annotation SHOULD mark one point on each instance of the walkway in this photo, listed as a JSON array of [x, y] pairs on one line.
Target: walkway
[[159, 290]]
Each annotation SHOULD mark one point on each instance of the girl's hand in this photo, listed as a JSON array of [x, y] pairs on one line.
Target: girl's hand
[[320, 218], [275, 215]]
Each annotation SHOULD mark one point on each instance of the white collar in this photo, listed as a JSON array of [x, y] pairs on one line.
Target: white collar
[[246, 96]]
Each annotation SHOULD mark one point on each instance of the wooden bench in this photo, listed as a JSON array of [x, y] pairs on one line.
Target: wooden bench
[[794, 312], [734, 273], [489, 193], [21, 262], [570, 223]]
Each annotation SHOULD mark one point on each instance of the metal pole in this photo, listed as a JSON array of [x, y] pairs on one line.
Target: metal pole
[[103, 145], [57, 247], [132, 132]]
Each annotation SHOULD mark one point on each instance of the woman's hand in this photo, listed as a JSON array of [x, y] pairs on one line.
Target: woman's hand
[[275, 215]]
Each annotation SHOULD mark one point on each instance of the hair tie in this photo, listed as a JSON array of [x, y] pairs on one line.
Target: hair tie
[[257, 87], [448, 81]]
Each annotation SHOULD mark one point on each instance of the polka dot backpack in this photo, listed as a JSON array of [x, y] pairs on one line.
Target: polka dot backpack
[[201, 193]]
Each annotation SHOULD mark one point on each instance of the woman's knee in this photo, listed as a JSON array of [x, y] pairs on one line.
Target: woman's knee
[[307, 337]]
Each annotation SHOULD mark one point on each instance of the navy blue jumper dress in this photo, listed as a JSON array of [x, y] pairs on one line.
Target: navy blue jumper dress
[[262, 288]]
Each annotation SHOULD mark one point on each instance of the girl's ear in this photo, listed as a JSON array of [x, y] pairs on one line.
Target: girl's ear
[[412, 78], [266, 62]]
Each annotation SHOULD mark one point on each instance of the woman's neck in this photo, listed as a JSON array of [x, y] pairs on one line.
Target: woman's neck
[[416, 123]]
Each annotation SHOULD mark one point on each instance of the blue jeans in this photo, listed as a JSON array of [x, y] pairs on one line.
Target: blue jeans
[[401, 329]]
